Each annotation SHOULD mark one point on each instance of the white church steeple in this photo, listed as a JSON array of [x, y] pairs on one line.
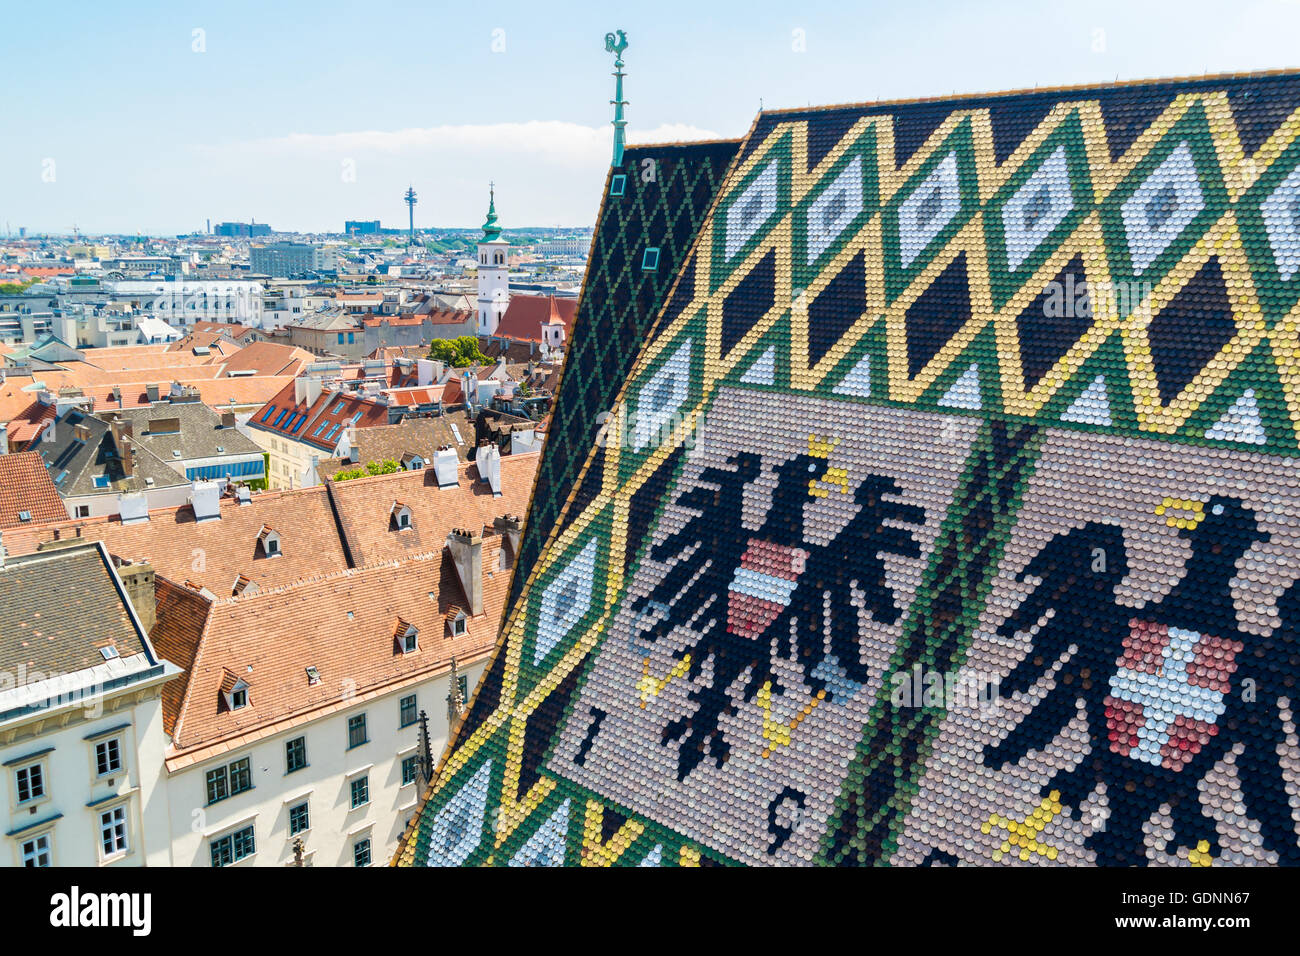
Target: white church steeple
[[493, 272]]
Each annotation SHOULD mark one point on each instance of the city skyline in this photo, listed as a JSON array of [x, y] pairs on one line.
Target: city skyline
[[302, 125]]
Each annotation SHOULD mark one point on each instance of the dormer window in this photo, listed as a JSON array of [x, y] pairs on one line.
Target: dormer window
[[401, 516], [407, 637], [268, 539], [234, 691], [457, 623]]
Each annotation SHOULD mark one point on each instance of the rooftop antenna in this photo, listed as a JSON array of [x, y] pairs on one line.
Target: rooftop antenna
[[410, 201], [616, 43]]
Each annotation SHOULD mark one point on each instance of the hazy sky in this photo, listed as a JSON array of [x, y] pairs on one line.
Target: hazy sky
[[155, 116]]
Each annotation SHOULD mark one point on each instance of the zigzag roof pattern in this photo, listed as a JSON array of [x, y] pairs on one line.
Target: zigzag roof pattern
[[947, 515]]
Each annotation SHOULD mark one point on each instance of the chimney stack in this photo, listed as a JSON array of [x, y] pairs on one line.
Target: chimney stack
[[466, 549], [510, 527], [444, 467], [227, 419], [138, 580], [153, 392], [126, 454], [488, 458]]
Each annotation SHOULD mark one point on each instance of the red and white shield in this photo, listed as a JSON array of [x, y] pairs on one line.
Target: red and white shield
[[1166, 695], [762, 586]]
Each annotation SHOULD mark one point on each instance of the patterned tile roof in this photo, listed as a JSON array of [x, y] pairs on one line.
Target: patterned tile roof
[[947, 516]]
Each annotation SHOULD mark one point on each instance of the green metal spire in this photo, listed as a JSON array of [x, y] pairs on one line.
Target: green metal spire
[[616, 43], [491, 230]]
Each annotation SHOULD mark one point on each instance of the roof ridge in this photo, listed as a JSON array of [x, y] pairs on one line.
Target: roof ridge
[[1025, 91], [427, 555]]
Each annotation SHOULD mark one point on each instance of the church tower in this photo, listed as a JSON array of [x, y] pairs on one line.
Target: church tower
[[493, 272]]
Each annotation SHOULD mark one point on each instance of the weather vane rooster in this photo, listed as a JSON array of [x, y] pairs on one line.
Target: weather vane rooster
[[616, 43]]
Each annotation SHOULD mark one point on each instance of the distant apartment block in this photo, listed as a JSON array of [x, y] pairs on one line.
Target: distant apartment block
[[244, 230], [361, 227], [563, 246], [292, 258]]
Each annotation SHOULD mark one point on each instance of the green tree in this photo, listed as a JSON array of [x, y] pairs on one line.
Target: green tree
[[459, 352], [386, 466]]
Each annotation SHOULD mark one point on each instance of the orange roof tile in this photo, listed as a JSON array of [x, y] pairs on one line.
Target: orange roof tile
[[214, 553], [182, 613], [526, 313], [25, 486], [269, 358], [365, 504], [343, 625]]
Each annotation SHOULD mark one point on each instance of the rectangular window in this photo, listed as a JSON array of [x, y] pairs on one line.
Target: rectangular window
[[617, 184], [350, 337], [227, 781], [361, 852], [83, 511], [217, 789], [409, 715], [410, 767], [108, 756], [295, 754], [356, 731], [36, 851], [650, 260], [463, 681], [112, 831], [360, 791], [30, 782], [233, 847], [339, 407], [299, 819], [241, 776], [340, 338]]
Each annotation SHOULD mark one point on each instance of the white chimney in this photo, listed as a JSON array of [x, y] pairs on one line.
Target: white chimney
[[425, 369], [205, 499], [306, 389], [444, 467], [488, 458]]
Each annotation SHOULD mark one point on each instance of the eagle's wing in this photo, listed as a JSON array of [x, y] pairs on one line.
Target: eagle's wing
[[1077, 572]]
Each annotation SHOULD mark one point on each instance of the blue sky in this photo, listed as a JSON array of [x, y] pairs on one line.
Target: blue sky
[[123, 118]]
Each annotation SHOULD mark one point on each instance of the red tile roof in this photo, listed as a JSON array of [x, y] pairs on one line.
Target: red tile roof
[[340, 411], [269, 358], [343, 625], [364, 506], [526, 314], [214, 553], [26, 486]]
